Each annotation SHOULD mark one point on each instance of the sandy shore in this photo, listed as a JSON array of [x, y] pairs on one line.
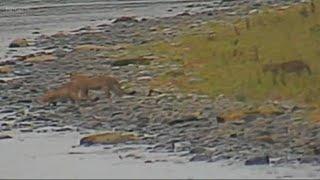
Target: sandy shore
[[51, 155]]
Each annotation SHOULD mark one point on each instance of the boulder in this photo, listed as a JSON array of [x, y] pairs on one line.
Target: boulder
[[108, 138], [20, 42]]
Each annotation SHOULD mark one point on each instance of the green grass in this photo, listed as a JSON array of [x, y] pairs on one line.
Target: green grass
[[228, 62]]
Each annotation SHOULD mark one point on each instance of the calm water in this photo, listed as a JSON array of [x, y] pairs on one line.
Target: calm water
[[19, 18]]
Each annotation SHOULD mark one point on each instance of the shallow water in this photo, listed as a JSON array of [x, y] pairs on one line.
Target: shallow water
[[48, 156]]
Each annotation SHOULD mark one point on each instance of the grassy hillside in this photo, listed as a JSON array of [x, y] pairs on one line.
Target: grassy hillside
[[228, 57]]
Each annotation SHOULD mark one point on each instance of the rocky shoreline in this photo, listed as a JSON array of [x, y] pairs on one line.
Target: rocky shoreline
[[170, 120]]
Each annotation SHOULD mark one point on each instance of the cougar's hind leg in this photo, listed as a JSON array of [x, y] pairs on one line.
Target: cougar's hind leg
[[308, 69], [85, 94], [283, 79]]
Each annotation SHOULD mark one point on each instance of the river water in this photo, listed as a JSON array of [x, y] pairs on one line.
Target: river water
[[19, 18]]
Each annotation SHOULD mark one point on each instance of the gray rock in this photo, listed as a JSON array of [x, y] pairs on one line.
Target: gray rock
[[25, 101], [63, 129], [124, 149], [250, 117], [200, 157], [182, 146], [262, 160], [253, 11], [134, 156], [144, 78], [277, 161], [197, 150], [220, 158], [162, 147], [183, 120], [60, 53], [5, 137], [5, 111], [22, 125], [22, 72], [7, 62], [26, 130]]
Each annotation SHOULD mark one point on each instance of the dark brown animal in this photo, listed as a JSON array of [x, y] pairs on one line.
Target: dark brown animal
[[312, 6], [295, 66]]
